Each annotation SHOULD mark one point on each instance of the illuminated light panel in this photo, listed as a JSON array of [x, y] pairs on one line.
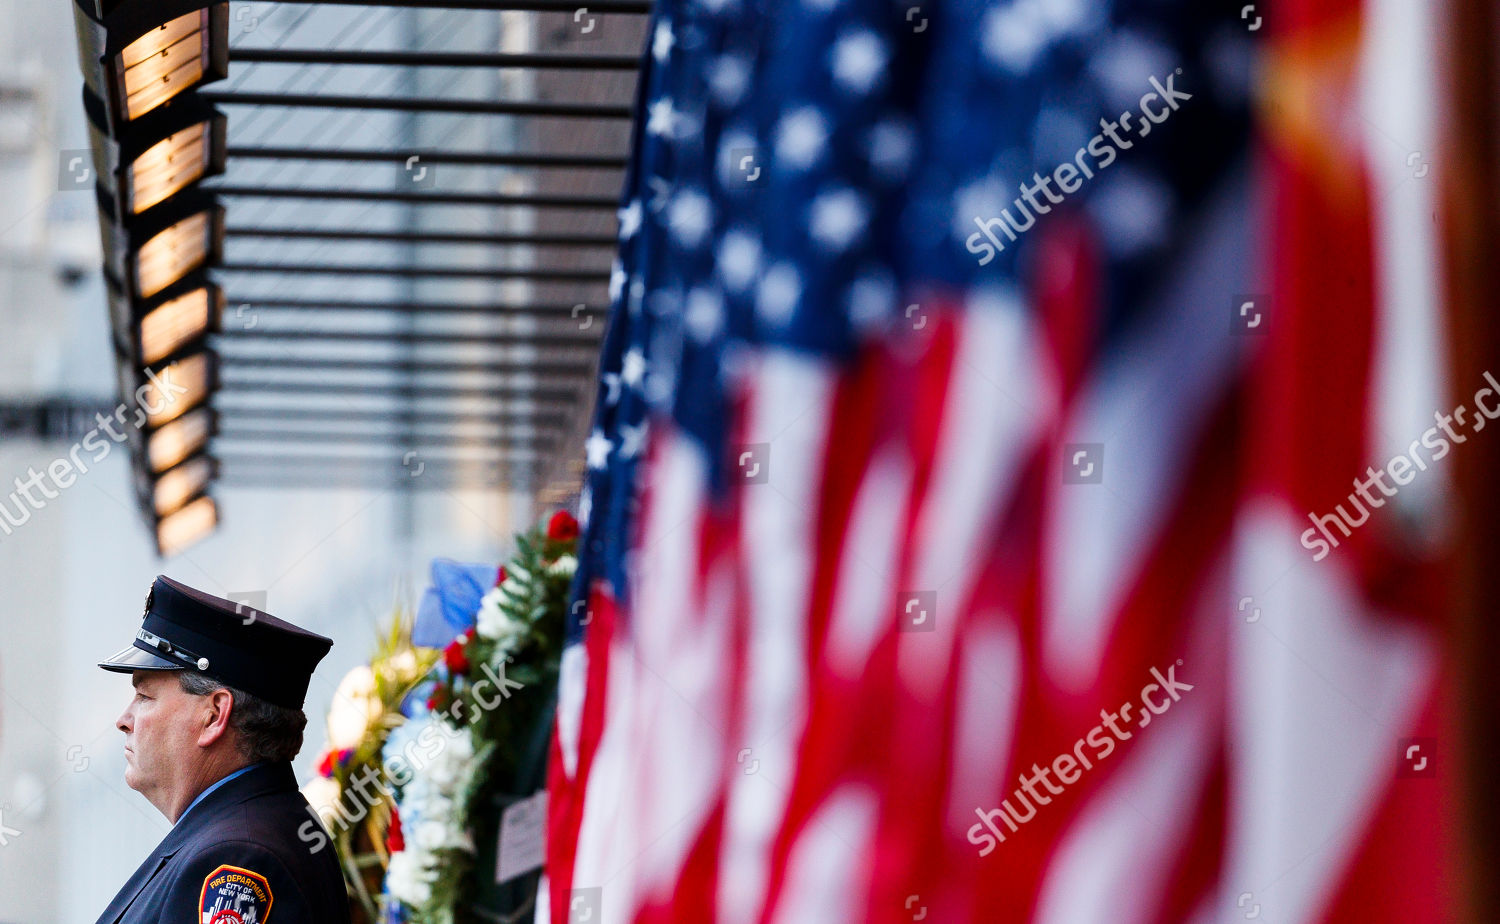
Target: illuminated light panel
[[174, 324], [190, 524], [168, 166], [189, 379], [164, 62], [181, 484], [179, 439], [172, 254]]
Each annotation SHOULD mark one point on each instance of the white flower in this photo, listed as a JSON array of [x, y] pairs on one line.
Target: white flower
[[435, 835], [492, 622], [514, 574], [355, 707], [409, 880], [448, 770], [405, 663], [509, 634], [441, 760]]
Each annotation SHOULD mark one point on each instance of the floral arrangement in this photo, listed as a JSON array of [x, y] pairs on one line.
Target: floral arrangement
[[431, 804], [350, 793], [493, 692], [447, 738]]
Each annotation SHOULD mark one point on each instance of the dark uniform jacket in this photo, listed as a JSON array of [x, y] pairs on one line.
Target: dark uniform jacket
[[250, 850]]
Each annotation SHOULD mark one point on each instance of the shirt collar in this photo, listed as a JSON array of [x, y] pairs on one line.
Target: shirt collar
[[204, 794]]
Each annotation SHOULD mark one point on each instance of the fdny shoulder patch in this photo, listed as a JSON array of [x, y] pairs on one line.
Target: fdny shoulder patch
[[234, 895]]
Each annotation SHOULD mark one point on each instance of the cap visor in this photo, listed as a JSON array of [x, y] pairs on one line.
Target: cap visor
[[138, 659]]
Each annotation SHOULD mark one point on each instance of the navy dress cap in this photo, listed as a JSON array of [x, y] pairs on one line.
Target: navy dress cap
[[235, 644]]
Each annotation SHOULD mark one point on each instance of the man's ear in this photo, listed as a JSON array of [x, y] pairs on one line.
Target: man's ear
[[216, 717]]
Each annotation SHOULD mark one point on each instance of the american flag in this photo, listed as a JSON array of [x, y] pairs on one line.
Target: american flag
[[872, 529]]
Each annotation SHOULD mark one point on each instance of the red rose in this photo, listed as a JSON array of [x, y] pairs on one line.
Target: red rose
[[454, 656], [394, 841], [562, 527], [500, 578]]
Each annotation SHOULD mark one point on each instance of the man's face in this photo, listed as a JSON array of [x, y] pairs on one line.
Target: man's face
[[161, 727]]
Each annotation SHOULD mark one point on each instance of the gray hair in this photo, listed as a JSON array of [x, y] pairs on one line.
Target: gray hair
[[263, 731]]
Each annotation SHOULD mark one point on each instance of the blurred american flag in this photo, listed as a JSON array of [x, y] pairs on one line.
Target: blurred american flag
[[872, 528]]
